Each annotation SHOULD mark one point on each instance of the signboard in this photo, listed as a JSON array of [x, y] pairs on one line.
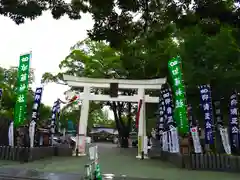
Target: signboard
[[93, 153]]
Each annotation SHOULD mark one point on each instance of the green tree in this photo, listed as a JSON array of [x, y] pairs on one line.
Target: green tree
[[98, 59], [95, 59], [44, 112], [210, 59], [152, 15], [8, 82], [19, 10], [72, 112]]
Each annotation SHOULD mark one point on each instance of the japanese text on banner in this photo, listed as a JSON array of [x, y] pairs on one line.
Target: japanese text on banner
[[36, 104], [233, 110], [205, 94], [168, 110], [55, 111], [160, 122], [180, 112], [22, 89]]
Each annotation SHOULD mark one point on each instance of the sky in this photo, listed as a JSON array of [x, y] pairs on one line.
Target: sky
[[49, 40]]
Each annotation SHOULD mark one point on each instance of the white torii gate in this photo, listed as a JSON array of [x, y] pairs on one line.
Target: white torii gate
[[86, 96]]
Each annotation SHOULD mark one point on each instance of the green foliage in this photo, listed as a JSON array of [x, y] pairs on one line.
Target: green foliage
[[8, 82], [96, 115], [204, 33], [143, 35], [138, 60], [19, 10], [210, 59]]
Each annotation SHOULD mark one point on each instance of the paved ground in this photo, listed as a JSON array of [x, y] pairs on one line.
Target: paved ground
[[120, 162]]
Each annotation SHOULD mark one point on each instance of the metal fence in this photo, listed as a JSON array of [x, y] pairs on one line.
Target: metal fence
[[208, 161], [31, 154]]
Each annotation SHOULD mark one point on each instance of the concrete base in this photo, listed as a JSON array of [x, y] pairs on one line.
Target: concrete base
[[140, 157]]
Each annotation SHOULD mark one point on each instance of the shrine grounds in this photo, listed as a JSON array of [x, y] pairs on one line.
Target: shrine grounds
[[116, 161]]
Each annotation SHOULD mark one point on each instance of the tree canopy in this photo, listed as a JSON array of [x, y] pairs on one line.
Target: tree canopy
[[134, 39], [206, 58]]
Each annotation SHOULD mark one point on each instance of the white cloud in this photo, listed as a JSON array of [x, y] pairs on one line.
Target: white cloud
[[48, 39]]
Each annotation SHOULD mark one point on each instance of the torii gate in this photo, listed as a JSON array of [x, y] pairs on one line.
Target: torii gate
[[86, 96]]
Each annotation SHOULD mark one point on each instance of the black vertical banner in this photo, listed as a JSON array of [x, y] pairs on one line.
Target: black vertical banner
[[160, 121], [218, 114], [233, 122], [192, 120], [206, 101], [168, 113], [36, 104], [1, 91], [219, 124], [55, 110], [168, 108]]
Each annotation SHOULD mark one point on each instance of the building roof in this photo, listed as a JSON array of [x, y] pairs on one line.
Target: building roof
[[103, 129]]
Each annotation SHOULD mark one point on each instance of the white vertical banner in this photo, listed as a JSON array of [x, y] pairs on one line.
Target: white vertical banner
[[93, 153], [196, 140], [225, 140], [145, 145], [170, 146], [174, 140], [165, 141], [11, 134], [32, 132]]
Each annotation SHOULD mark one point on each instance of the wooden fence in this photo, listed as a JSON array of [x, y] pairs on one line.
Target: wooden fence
[[31, 154], [208, 161]]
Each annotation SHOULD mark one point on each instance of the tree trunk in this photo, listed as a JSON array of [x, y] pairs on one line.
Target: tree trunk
[[123, 130]]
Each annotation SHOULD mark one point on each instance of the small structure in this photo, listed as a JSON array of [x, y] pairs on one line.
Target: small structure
[[43, 137], [103, 134], [113, 85]]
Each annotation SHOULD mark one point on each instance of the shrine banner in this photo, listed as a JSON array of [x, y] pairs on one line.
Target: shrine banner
[[165, 142], [36, 103], [35, 114], [206, 102], [169, 123], [218, 114], [196, 139], [22, 89], [160, 121], [192, 120], [180, 111], [1, 91], [225, 140], [175, 141], [55, 109], [168, 107], [172, 132], [11, 134], [233, 120], [219, 127]]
